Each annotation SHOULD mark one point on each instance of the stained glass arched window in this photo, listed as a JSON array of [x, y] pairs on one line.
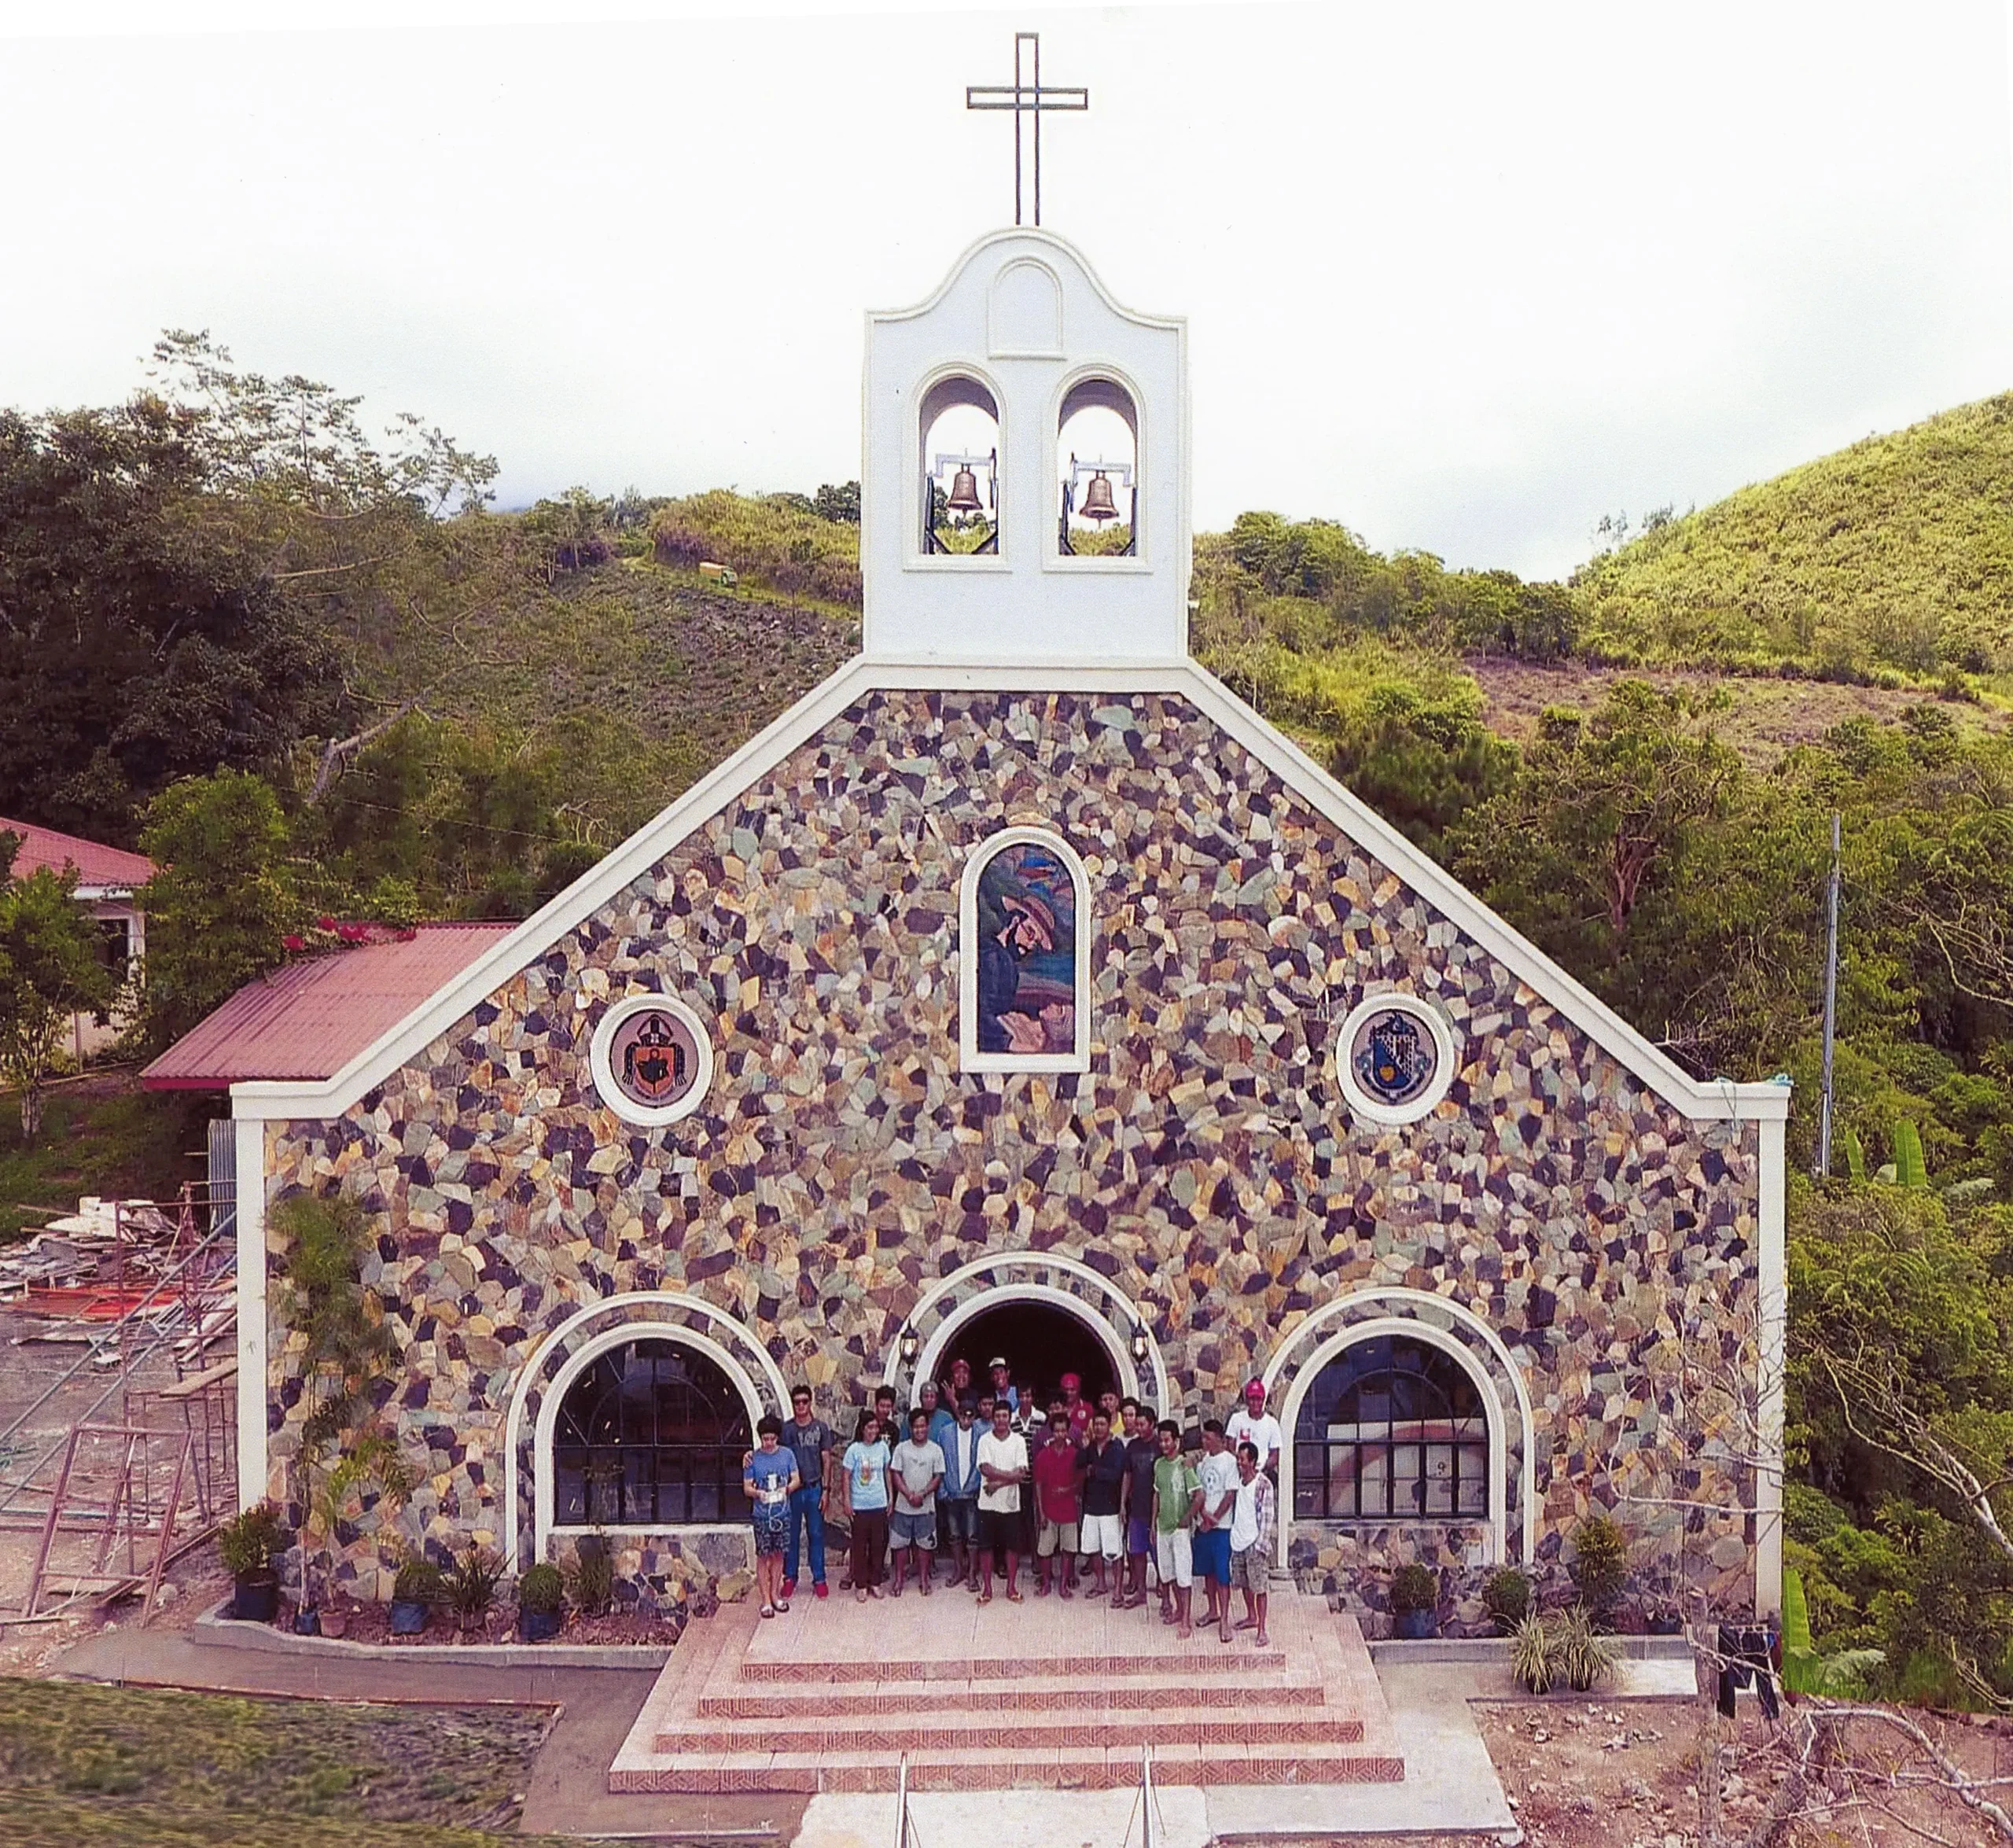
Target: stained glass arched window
[[650, 1434], [1392, 1429]]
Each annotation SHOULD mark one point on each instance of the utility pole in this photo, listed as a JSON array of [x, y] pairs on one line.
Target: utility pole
[[1822, 1166]]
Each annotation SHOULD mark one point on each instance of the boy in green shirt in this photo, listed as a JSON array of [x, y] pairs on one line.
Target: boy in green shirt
[[1177, 1497]]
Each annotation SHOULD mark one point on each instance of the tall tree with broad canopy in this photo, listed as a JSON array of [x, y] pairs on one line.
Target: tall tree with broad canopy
[[50, 971]]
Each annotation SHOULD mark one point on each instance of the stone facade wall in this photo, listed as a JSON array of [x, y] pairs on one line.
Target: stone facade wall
[[1207, 1165]]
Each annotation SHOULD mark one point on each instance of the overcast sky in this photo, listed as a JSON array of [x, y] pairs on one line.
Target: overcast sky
[[1464, 277]]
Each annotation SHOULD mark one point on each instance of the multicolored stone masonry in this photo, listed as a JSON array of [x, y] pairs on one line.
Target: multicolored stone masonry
[[1207, 1167]]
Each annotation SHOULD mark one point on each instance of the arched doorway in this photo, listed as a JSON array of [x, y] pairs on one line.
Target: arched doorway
[[1041, 1340]]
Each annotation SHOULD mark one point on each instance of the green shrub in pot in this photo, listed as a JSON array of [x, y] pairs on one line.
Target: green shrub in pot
[[1414, 1600], [415, 1591], [1600, 1563], [470, 1585], [1507, 1596], [541, 1601], [248, 1544]]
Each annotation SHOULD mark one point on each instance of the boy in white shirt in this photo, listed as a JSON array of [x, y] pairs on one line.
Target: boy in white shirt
[[1002, 1468]]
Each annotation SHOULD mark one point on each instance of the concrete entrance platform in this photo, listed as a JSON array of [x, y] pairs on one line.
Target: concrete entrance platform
[[1450, 1788], [833, 1698]]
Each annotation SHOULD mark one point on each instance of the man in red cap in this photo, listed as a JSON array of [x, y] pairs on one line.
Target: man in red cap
[[1079, 1408], [1251, 1423]]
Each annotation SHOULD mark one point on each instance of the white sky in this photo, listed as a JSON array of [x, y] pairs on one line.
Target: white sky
[[1464, 277]]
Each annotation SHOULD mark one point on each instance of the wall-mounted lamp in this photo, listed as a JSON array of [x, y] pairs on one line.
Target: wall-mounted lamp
[[910, 1347], [1142, 1343]]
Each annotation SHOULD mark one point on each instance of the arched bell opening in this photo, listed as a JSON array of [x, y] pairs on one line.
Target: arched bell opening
[[959, 426], [1097, 455]]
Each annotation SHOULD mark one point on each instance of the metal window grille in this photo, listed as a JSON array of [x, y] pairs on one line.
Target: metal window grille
[[651, 1434], [1392, 1429]]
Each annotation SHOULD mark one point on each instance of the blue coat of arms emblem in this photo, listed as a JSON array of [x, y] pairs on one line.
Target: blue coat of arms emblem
[[1393, 1058]]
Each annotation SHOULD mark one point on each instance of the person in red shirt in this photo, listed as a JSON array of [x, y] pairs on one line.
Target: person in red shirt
[[1058, 1502], [1079, 1408]]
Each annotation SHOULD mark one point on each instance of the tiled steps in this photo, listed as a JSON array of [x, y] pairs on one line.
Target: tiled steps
[[835, 1698]]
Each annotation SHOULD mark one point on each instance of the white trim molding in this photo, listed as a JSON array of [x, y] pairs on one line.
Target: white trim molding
[[248, 1133], [1422, 1303], [1407, 1328], [1707, 1100], [548, 1417], [982, 855], [552, 1360], [1771, 1360], [1000, 1292], [1446, 1056], [600, 1061]]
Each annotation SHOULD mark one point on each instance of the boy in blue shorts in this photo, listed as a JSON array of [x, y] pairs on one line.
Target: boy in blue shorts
[[771, 1479], [1218, 1475]]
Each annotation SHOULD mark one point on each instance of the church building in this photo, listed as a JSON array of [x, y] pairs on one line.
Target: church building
[[1020, 990]]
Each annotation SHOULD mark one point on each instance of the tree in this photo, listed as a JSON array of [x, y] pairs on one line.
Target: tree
[[137, 641], [1626, 847], [837, 501], [50, 971], [1422, 762], [225, 898]]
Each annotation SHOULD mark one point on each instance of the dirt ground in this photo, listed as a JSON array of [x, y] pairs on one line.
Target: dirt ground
[[1765, 719], [1624, 1774]]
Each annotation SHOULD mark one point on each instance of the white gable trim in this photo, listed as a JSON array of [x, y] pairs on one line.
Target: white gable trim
[[1718, 1099]]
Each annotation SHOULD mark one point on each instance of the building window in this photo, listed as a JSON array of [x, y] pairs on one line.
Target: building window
[[1024, 973], [651, 1434], [1097, 460], [958, 435], [1392, 1429]]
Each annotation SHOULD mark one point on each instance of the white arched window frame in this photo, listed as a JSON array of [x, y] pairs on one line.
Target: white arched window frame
[[945, 388], [1408, 1328], [545, 1527], [1063, 407], [969, 1058]]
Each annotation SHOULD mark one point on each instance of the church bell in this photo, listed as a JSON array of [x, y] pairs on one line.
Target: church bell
[[1097, 503], [964, 492]]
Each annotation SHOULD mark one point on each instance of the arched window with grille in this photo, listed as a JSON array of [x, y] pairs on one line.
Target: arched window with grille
[[1392, 1429], [649, 1434]]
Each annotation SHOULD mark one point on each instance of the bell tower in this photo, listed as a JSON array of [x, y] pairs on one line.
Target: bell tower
[[1025, 485]]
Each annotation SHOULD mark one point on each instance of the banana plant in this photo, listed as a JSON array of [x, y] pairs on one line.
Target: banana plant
[[1840, 1677]]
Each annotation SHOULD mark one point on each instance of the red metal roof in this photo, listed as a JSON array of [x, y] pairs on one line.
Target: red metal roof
[[310, 1018], [96, 865]]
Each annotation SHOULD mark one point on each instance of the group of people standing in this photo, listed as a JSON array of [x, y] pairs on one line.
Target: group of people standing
[[1101, 1495]]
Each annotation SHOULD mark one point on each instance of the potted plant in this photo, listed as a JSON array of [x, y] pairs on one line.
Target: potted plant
[[594, 1576], [1505, 1594], [541, 1597], [1415, 1601], [1585, 1656], [1533, 1655], [415, 1591], [1600, 1564], [471, 1588], [249, 1543]]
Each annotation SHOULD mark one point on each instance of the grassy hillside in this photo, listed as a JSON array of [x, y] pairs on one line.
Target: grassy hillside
[[1895, 552]]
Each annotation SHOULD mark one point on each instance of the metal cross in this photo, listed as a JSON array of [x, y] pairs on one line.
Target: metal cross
[[1026, 93]]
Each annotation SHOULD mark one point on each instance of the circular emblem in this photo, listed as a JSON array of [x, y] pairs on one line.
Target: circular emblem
[[1395, 1057], [652, 1059]]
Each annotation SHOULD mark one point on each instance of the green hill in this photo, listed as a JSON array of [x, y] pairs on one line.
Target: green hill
[[1895, 552]]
